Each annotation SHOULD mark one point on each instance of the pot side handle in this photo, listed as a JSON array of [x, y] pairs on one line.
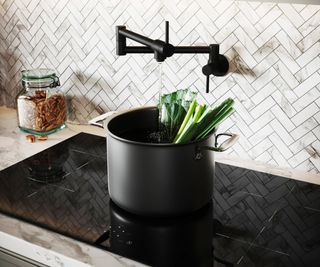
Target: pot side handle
[[225, 145], [96, 120]]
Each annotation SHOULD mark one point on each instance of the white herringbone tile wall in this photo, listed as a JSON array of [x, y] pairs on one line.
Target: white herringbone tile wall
[[273, 50]]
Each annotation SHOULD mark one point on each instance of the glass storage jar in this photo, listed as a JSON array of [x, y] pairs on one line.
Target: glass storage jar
[[41, 105]]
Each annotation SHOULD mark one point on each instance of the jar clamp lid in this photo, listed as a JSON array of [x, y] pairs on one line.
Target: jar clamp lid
[[39, 78]]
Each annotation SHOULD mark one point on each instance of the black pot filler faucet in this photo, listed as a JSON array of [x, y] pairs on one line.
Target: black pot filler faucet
[[218, 65]]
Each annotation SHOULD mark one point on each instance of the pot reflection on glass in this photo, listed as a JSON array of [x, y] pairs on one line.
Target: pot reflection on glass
[[158, 179], [180, 241]]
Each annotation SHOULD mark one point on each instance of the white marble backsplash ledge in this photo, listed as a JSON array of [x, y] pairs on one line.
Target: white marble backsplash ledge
[[289, 173]]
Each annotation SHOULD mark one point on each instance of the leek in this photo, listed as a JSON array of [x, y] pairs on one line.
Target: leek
[[186, 119], [190, 130], [183, 120], [204, 121]]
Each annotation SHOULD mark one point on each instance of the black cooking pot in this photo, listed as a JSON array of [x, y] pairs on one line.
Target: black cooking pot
[[157, 179]]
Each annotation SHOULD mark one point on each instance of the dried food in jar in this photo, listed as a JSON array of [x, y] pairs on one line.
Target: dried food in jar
[[41, 113], [41, 105]]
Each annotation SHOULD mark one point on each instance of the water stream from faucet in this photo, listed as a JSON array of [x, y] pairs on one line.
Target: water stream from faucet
[[160, 78], [159, 96]]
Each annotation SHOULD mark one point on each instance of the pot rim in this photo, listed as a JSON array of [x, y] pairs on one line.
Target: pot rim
[[151, 144]]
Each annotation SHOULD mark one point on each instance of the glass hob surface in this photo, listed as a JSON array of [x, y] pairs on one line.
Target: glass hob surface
[[255, 219]]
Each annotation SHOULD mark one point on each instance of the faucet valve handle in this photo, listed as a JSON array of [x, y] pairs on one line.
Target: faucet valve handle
[[218, 65], [167, 32]]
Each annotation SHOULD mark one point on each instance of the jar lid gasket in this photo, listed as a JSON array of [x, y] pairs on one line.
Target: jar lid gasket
[[37, 74], [39, 78]]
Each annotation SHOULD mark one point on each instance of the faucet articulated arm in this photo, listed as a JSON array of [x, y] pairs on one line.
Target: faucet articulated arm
[[161, 49]]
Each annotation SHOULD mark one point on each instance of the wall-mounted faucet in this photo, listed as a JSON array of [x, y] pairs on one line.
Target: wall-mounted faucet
[[218, 65]]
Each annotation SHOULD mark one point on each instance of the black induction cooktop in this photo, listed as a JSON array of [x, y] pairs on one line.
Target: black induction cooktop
[[255, 219]]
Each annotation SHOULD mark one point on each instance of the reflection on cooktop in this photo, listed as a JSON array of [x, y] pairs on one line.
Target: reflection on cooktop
[[256, 219]]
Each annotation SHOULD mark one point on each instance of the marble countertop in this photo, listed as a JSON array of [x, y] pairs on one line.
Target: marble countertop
[[51, 248]]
